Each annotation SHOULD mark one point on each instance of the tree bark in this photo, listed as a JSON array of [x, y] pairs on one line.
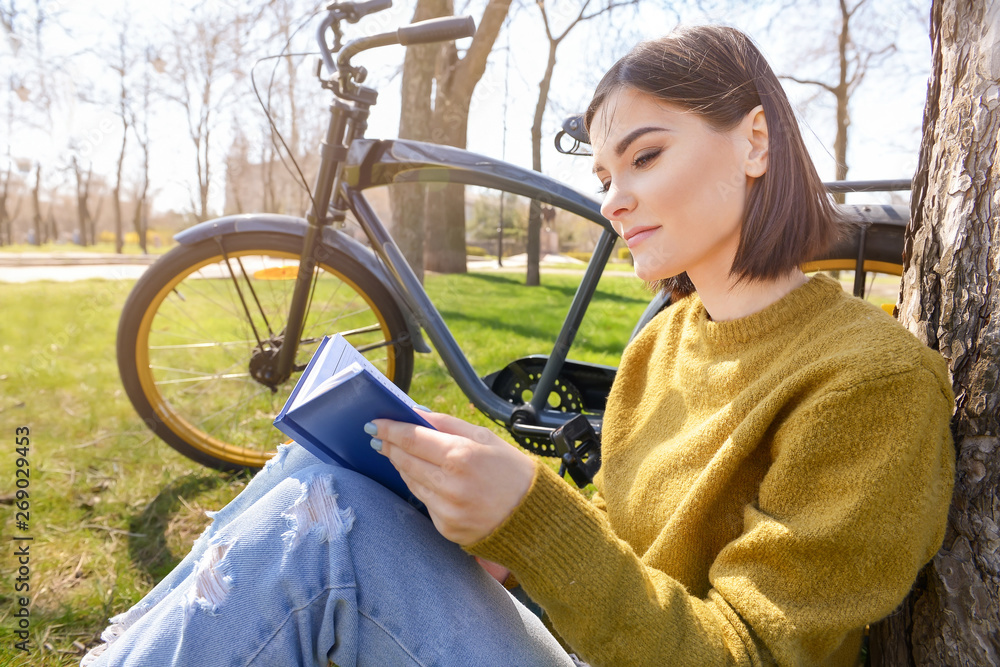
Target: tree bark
[[948, 299], [456, 81], [407, 200], [843, 98]]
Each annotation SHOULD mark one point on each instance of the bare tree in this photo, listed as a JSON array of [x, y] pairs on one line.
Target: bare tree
[[140, 127], [855, 58], [36, 201], [237, 166], [30, 72], [7, 214], [86, 221], [585, 10], [206, 50], [949, 300], [416, 109], [121, 63]]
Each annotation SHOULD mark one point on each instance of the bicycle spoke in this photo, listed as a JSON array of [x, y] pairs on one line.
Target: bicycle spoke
[[239, 343], [205, 378]]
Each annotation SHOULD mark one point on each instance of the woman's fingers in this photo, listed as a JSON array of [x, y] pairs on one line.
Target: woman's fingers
[[453, 425], [418, 441], [469, 478], [428, 475]]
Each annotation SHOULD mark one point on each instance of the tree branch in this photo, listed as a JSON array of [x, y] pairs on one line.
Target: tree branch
[[810, 82], [470, 68]]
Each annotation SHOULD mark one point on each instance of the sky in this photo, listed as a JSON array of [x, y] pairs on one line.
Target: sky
[[886, 111]]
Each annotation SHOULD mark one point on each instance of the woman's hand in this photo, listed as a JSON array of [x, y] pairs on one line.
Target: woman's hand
[[495, 570], [469, 478]]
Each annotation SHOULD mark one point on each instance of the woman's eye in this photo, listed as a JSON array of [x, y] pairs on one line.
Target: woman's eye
[[642, 159], [603, 190]]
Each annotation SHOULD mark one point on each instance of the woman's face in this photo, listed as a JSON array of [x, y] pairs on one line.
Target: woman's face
[[675, 188]]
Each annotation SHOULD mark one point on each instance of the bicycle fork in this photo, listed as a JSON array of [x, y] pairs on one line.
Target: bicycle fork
[[345, 120]]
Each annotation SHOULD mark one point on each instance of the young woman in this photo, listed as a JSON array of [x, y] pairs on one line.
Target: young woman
[[777, 461]]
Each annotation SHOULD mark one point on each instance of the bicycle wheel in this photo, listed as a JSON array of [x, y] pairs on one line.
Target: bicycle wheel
[[197, 331], [882, 266]]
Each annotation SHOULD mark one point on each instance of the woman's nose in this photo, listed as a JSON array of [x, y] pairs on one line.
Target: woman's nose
[[616, 203]]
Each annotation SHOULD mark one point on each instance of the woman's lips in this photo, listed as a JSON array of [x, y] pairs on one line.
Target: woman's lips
[[638, 234]]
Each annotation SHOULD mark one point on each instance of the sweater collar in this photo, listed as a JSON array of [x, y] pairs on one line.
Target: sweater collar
[[796, 305]]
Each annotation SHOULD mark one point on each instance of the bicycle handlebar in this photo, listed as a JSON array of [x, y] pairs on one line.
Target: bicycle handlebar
[[437, 30], [425, 32]]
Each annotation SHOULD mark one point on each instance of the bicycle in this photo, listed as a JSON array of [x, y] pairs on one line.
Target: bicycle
[[213, 335]]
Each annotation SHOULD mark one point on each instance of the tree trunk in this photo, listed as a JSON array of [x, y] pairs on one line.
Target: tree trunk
[[36, 217], [533, 276], [456, 81], [948, 299], [843, 99], [5, 217], [87, 232], [444, 213], [407, 200], [119, 232]]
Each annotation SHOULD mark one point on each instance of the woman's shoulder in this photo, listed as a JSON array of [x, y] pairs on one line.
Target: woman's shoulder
[[869, 344]]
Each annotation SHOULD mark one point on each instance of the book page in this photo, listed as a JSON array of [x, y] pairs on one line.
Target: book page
[[353, 356], [336, 356], [327, 364], [343, 375]]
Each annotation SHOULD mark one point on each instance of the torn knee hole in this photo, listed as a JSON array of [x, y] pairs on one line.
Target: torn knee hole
[[212, 584], [316, 510]]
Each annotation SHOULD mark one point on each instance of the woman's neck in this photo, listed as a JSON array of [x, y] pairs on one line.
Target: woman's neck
[[726, 300]]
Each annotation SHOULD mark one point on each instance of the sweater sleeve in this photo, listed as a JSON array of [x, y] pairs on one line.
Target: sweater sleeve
[[853, 505]]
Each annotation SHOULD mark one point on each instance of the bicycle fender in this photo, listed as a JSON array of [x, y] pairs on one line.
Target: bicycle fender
[[334, 238]]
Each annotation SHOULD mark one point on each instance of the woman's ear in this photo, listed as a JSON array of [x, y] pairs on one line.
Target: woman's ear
[[755, 129]]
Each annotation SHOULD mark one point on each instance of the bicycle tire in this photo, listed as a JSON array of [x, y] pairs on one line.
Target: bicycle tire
[[883, 255], [883, 250], [185, 343]]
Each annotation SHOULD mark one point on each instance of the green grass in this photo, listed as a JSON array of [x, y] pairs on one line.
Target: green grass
[[113, 509]]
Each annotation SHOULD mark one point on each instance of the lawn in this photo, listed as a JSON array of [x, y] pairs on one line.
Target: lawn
[[113, 509]]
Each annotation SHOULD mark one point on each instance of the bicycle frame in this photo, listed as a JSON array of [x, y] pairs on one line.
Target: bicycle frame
[[372, 163], [351, 163], [368, 163]]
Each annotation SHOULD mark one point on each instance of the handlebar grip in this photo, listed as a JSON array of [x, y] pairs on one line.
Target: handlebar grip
[[359, 10], [437, 30]]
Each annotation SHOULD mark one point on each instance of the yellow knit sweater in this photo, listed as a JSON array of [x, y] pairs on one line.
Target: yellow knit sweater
[[770, 485]]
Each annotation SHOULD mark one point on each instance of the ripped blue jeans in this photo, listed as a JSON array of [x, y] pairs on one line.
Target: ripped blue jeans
[[312, 564]]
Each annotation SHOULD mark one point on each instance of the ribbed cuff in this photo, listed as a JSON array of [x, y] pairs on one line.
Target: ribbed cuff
[[542, 541]]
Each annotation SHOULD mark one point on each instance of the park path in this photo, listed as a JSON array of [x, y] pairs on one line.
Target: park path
[[69, 267]]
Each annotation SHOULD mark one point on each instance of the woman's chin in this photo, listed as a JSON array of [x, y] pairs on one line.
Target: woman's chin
[[650, 274]]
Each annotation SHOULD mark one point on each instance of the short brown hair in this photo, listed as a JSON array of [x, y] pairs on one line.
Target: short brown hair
[[719, 74]]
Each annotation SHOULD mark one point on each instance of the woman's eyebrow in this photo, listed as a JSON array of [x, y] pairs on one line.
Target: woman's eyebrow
[[635, 134], [627, 140]]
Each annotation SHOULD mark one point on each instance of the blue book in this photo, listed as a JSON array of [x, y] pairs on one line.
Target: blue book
[[339, 392]]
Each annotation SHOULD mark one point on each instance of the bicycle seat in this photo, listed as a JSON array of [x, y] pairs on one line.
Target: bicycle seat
[[573, 126]]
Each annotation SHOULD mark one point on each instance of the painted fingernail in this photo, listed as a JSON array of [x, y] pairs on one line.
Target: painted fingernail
[[376, 444], [370, 428]]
